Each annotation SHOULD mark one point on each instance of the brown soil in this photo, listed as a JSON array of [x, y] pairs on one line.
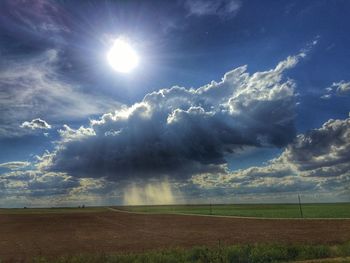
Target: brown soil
[[23, 236]]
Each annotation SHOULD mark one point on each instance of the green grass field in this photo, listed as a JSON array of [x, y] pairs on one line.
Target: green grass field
[[52, 210], [336, 210]]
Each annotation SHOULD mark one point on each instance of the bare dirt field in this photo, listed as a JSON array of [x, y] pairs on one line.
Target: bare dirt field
[[23, 236]]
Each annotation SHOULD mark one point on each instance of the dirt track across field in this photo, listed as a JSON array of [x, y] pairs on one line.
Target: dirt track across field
[[23, 236]]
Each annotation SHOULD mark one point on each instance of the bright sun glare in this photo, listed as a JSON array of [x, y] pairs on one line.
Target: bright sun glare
[[122, 57]]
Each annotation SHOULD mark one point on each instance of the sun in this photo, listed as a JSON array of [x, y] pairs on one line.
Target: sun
[[122, 57]]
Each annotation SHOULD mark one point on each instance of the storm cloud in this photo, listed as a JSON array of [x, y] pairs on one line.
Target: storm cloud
[[327, 146], [179, 132], [317, 160]]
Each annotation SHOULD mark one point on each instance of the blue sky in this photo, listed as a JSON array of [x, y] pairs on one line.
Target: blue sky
[[274, 123]]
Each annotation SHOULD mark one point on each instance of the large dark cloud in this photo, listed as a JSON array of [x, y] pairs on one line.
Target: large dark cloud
[[317, 161], [327, 146], [180, 132]]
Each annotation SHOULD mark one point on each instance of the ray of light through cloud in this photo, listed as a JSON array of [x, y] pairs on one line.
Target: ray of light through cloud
[[130, 102]]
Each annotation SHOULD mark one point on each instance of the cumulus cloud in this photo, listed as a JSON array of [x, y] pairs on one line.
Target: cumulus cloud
[[222, 8], [36, 124], [68, 134], [179, 132], [317, 161], [341, 88], [36, 183], [14, 165], [38, 188], [323, 147], [31, 87]]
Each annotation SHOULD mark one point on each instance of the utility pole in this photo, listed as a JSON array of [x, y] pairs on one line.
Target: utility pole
[[301, 210], [211, 211]]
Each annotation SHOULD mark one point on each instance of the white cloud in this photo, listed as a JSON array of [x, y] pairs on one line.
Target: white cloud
[[69, 134], [341, 88], [38, 17], [222, 8], [326, 96], [37, 188], [36, 124], [14, 165], [31, 87]]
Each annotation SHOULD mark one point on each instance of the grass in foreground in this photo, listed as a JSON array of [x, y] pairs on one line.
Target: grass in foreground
[[238, 253], [336, 210]]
